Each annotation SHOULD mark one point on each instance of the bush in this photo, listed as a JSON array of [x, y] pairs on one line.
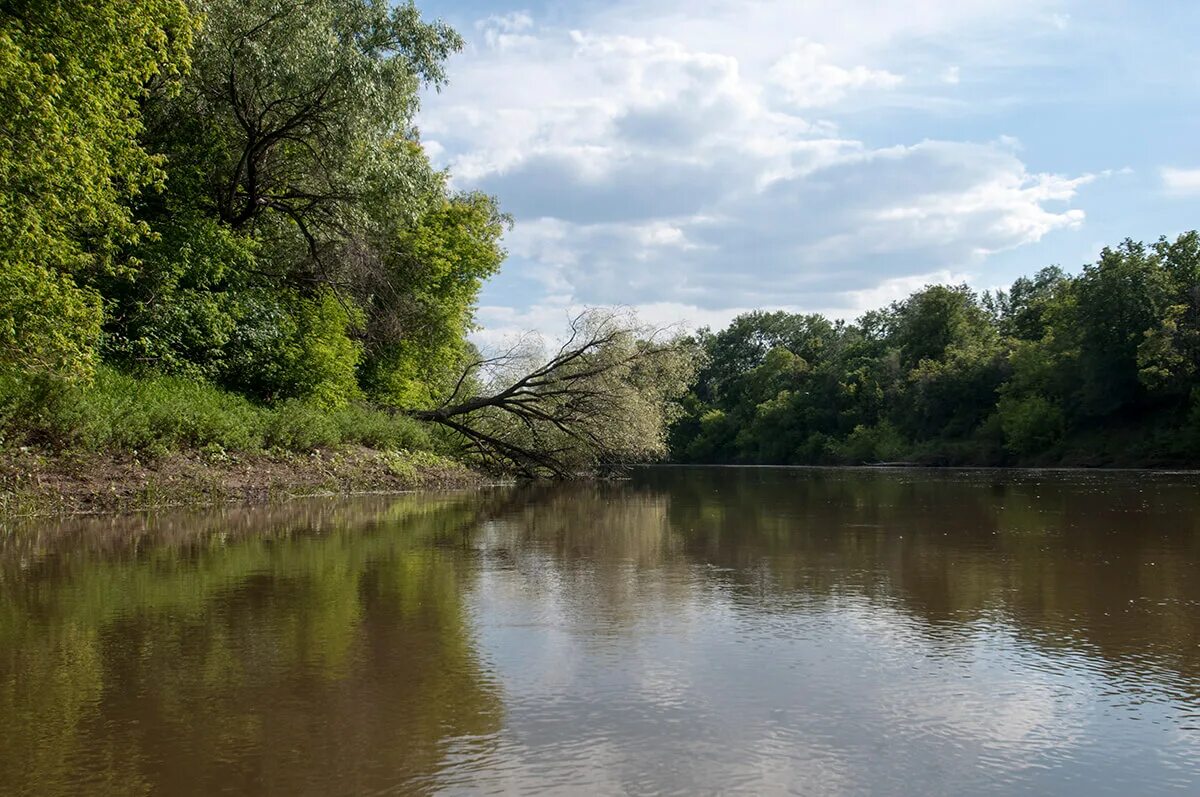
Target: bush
[[817, 449], [287, 347], [1031, 424], [162, 413], [166, 413], [300, 426], [881, 443], [377, 429], [33, 406]]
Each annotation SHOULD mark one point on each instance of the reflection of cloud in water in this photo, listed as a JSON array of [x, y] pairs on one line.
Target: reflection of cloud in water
[[677, 675], [829, 632]]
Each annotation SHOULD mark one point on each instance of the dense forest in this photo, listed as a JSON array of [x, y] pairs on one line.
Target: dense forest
[[219, 230], [1099, 368]]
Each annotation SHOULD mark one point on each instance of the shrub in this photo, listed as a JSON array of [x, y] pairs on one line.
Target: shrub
[[377, 429], [157, 414], [1031, 424], [301, 426], [33, 406], [162, 413], [882, 442]]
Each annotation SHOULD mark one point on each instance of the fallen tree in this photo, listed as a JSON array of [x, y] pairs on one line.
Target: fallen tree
[[606, 396]]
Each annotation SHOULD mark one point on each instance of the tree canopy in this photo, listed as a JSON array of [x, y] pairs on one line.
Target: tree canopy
[[234, 192], [73, 76], [1097, 368]]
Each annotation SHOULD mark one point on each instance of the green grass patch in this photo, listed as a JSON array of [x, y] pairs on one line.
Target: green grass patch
[[160, 414]]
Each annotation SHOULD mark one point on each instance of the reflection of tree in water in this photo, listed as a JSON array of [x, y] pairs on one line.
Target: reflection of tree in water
[[1103, 561], [317, 650], [324, 647], [602, 551]]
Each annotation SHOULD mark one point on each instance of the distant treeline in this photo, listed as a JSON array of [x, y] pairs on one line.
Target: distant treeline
[[1101, 368]]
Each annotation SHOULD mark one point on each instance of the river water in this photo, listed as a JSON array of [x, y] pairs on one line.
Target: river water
[[690, 631]]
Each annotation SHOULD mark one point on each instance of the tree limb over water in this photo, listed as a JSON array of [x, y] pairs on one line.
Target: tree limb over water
[[606, 396]]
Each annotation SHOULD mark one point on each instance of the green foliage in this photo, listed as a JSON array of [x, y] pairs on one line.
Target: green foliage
[[1058, 368], [361, 424], [881, 443], [157, 414], [117, 411], [420, 315], [224, 206], [179, 309], [319, 362], [304, 102], [932, 321], [712, 438], [1190, 438], [1031, 425], [300, 426], [47, 323], [952, 395], [1026, 310], [1117, 300], [72, 74]]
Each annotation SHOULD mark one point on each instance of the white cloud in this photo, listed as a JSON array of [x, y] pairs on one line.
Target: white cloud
[[681, 169], [809, 80], [1184, 182], [854, 303], [506, 31]]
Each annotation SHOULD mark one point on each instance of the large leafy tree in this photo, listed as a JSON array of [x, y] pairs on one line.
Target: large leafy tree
[[420, 302], [1169, 353], [1118, 300], [300, 113], [297, 180], [72, 76]]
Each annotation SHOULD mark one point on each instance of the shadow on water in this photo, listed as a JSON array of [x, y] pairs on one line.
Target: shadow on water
[[688, 630]]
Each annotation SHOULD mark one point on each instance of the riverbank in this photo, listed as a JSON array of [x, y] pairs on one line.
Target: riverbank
[[36, 483]]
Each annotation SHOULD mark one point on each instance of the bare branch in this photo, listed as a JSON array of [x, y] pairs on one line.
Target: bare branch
[[606, 395]]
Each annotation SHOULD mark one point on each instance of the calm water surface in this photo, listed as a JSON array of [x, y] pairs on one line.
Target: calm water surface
[[691, 631]]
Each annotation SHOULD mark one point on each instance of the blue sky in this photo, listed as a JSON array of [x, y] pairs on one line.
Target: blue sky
[[698, 158]]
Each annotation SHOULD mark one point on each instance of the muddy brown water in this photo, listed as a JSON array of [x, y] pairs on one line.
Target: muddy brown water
[[690, 631]]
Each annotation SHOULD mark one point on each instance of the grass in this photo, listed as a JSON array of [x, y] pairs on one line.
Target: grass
[[160, 414]]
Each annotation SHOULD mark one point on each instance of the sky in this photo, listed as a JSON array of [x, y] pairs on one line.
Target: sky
[[694, 159]]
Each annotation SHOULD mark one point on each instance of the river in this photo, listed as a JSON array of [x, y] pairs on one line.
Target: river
[[690, 631]]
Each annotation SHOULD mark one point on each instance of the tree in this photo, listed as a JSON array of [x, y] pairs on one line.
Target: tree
[[1117, 300], [1168, 356], [72, 76], [1031, 425], [298, 117], [1025, 309], [933, 320], [606, 396], [295, 177], [419, 302], [746, 342], [1037, 372]]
